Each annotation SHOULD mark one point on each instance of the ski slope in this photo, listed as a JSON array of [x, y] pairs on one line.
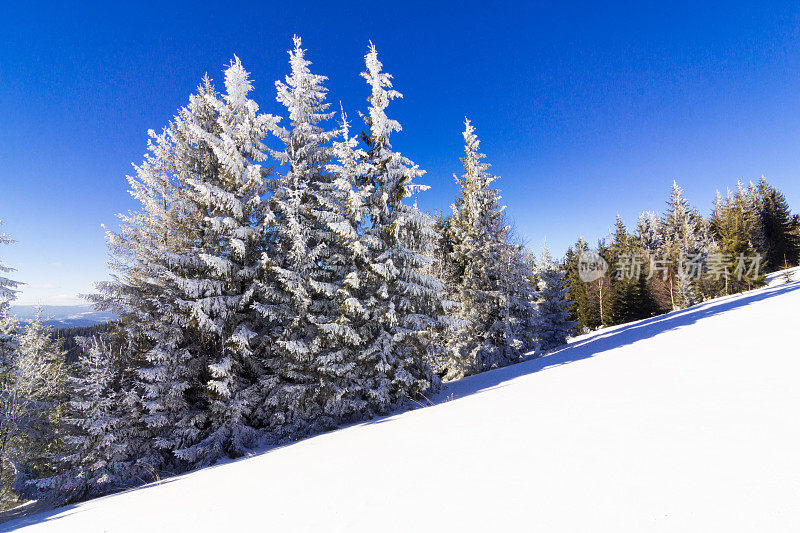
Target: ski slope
[[685, 422]]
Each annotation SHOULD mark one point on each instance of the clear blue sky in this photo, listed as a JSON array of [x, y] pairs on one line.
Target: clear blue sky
[[585, 110]]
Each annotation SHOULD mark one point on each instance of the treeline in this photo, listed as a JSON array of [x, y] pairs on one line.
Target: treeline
[[278, 280], [676, 259]]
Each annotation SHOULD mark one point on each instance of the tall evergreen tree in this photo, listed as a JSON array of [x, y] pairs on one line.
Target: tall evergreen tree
[[735, 223], [648, 232], [228, 195], [9, 344], [752, 206], [146, 298], [781, 230], [8, 325], [313, 247], [346, 330], [649, 242], [490, 278], [403, 303], [631, 297], [685, 241], [187, 269], [8, 287], [601, 290], [578, 291]]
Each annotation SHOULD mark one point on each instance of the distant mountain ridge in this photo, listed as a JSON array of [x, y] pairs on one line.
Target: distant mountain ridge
[[63, 316]]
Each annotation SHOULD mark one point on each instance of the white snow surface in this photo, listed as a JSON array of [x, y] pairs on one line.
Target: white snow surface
[[683, 422]]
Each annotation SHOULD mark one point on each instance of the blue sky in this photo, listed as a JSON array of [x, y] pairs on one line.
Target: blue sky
[[585, 110]]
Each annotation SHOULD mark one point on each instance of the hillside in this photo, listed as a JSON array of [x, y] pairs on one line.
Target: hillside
[[63, 316], [686, 421]]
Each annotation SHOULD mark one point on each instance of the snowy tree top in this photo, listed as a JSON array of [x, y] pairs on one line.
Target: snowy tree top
[[382, 93], [303, 93], [237, 85]]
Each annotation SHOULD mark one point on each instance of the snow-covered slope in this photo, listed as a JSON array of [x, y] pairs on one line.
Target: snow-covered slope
[[688, 421], [778, 278]]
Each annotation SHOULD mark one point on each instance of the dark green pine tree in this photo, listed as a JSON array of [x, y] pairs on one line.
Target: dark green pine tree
[[781, 236], [577, 290], [735, 227], [630, 294], [621, 287]]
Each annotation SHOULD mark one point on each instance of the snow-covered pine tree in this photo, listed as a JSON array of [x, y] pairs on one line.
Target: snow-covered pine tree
[[306, 264], [402, 302], [721, 224], [684, 239], [226, 186], [578, 291], [631, 292], [517, 301], [342, 391], [491, 279], [753, 207], [649, 242], [553, 324], [8, 325], [9, 330], [8, 287], [648, 233], [736, 226], [97, 459], [32, 396], [187, 268], [165, 373]]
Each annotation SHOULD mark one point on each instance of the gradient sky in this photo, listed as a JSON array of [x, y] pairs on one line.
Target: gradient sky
[[585, 110]]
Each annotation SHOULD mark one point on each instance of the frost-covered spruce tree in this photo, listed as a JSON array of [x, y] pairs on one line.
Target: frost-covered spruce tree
[[226, 187], [32, 396], [8, 326], [306, 262], [163, 365], [402, 302], [737, 229], [780, 229], [648, 233], [344, 394], [97, 458], [490, 278], [553, 324], [752, 204], [516, 303], [9, 345], [685, 238], [8, 287], [580, 292], [187, 269]]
